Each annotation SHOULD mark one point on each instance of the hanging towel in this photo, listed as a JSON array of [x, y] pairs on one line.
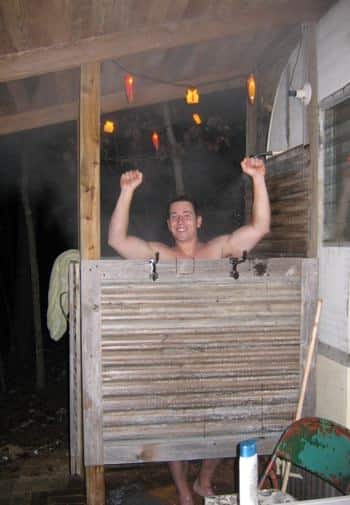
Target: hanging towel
[[58, 308]]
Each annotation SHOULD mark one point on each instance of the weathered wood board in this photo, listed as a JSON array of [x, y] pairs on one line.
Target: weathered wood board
[[187, 366], [289, 183]]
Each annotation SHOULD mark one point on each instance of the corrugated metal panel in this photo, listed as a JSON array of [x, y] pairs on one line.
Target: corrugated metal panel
[[196, 361]]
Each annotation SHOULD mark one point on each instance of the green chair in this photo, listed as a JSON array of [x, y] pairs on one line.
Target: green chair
[[319, 446]]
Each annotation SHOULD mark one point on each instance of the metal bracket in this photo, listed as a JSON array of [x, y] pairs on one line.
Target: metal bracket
[[235, 262], [153, 274]]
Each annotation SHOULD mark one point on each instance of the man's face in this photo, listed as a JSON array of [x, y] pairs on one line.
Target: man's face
[[183, 222]]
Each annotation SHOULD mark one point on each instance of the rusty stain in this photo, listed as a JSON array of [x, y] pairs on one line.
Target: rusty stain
[[260, 269], [88, 403], [146, 454]]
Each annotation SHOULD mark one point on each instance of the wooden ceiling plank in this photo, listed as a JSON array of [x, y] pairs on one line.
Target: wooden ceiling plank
[[43, 60], [157, 11], [81, 15], [122, 20], [111, 15], [197, 9], [111, 103], [138, 15], [177, 9], [13, 13], [98, 12], [60, 31]]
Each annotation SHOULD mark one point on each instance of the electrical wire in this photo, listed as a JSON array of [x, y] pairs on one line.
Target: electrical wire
[[179, 84]]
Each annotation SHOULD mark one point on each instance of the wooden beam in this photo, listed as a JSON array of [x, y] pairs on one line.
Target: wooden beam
[[89, 235], [22, 64], [310, 38], [150, 95], [95, 487], [89, 161]]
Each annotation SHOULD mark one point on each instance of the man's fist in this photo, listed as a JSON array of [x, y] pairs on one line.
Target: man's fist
[[131, 179], [253, 166]]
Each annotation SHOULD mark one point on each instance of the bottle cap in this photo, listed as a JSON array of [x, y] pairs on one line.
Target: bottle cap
[[247, 448]]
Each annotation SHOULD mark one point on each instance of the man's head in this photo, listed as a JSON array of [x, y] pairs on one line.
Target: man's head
[[183, 218]]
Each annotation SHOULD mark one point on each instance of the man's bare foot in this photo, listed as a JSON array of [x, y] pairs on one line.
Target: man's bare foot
[[202, 491], [185, 499]]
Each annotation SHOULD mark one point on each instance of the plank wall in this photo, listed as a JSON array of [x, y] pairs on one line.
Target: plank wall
[[189, 365], [289, 185]]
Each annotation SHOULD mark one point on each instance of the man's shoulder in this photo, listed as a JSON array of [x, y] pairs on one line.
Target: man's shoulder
[[165, 251]]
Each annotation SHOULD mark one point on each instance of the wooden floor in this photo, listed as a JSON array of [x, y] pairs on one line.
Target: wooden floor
[[74, 494], [139, 485]]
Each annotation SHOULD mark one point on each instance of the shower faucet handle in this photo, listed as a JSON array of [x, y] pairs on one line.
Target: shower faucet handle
[[235, 262], [153, 274]]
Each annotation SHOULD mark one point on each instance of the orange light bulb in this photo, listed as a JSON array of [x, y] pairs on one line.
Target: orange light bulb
[[129, 87], [196, 118], [155, 141], [251, 89]]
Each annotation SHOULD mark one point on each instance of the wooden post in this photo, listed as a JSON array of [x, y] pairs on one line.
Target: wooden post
[[89, 231], [310, 65], [309, 288], [89, 162], [95, 486]]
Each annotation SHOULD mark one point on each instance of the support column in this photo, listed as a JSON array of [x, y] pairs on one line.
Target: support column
[[312, 119], [89, 240], [95, 485]]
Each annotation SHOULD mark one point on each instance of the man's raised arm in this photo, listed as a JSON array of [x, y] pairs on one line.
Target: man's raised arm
[[246, 237], [127, 246]]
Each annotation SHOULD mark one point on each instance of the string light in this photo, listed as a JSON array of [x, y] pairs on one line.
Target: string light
[[179, 84], [196, 118], [192, 96], [108, 127], [155, 141], [129, 87], [251, 89]]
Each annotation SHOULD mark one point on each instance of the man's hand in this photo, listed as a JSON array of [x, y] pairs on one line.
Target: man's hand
[[253, 167], [131, 180]]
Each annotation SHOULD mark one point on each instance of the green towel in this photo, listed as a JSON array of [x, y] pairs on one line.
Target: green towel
[[58, 304]]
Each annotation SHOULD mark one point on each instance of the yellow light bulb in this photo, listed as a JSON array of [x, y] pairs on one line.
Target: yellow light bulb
[[196, 118], [192, 96], [108, 127]]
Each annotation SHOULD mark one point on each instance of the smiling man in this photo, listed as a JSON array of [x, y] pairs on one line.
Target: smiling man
[[183, 223]]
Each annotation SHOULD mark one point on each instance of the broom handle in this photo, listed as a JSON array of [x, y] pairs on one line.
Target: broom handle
[[304, 383]]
